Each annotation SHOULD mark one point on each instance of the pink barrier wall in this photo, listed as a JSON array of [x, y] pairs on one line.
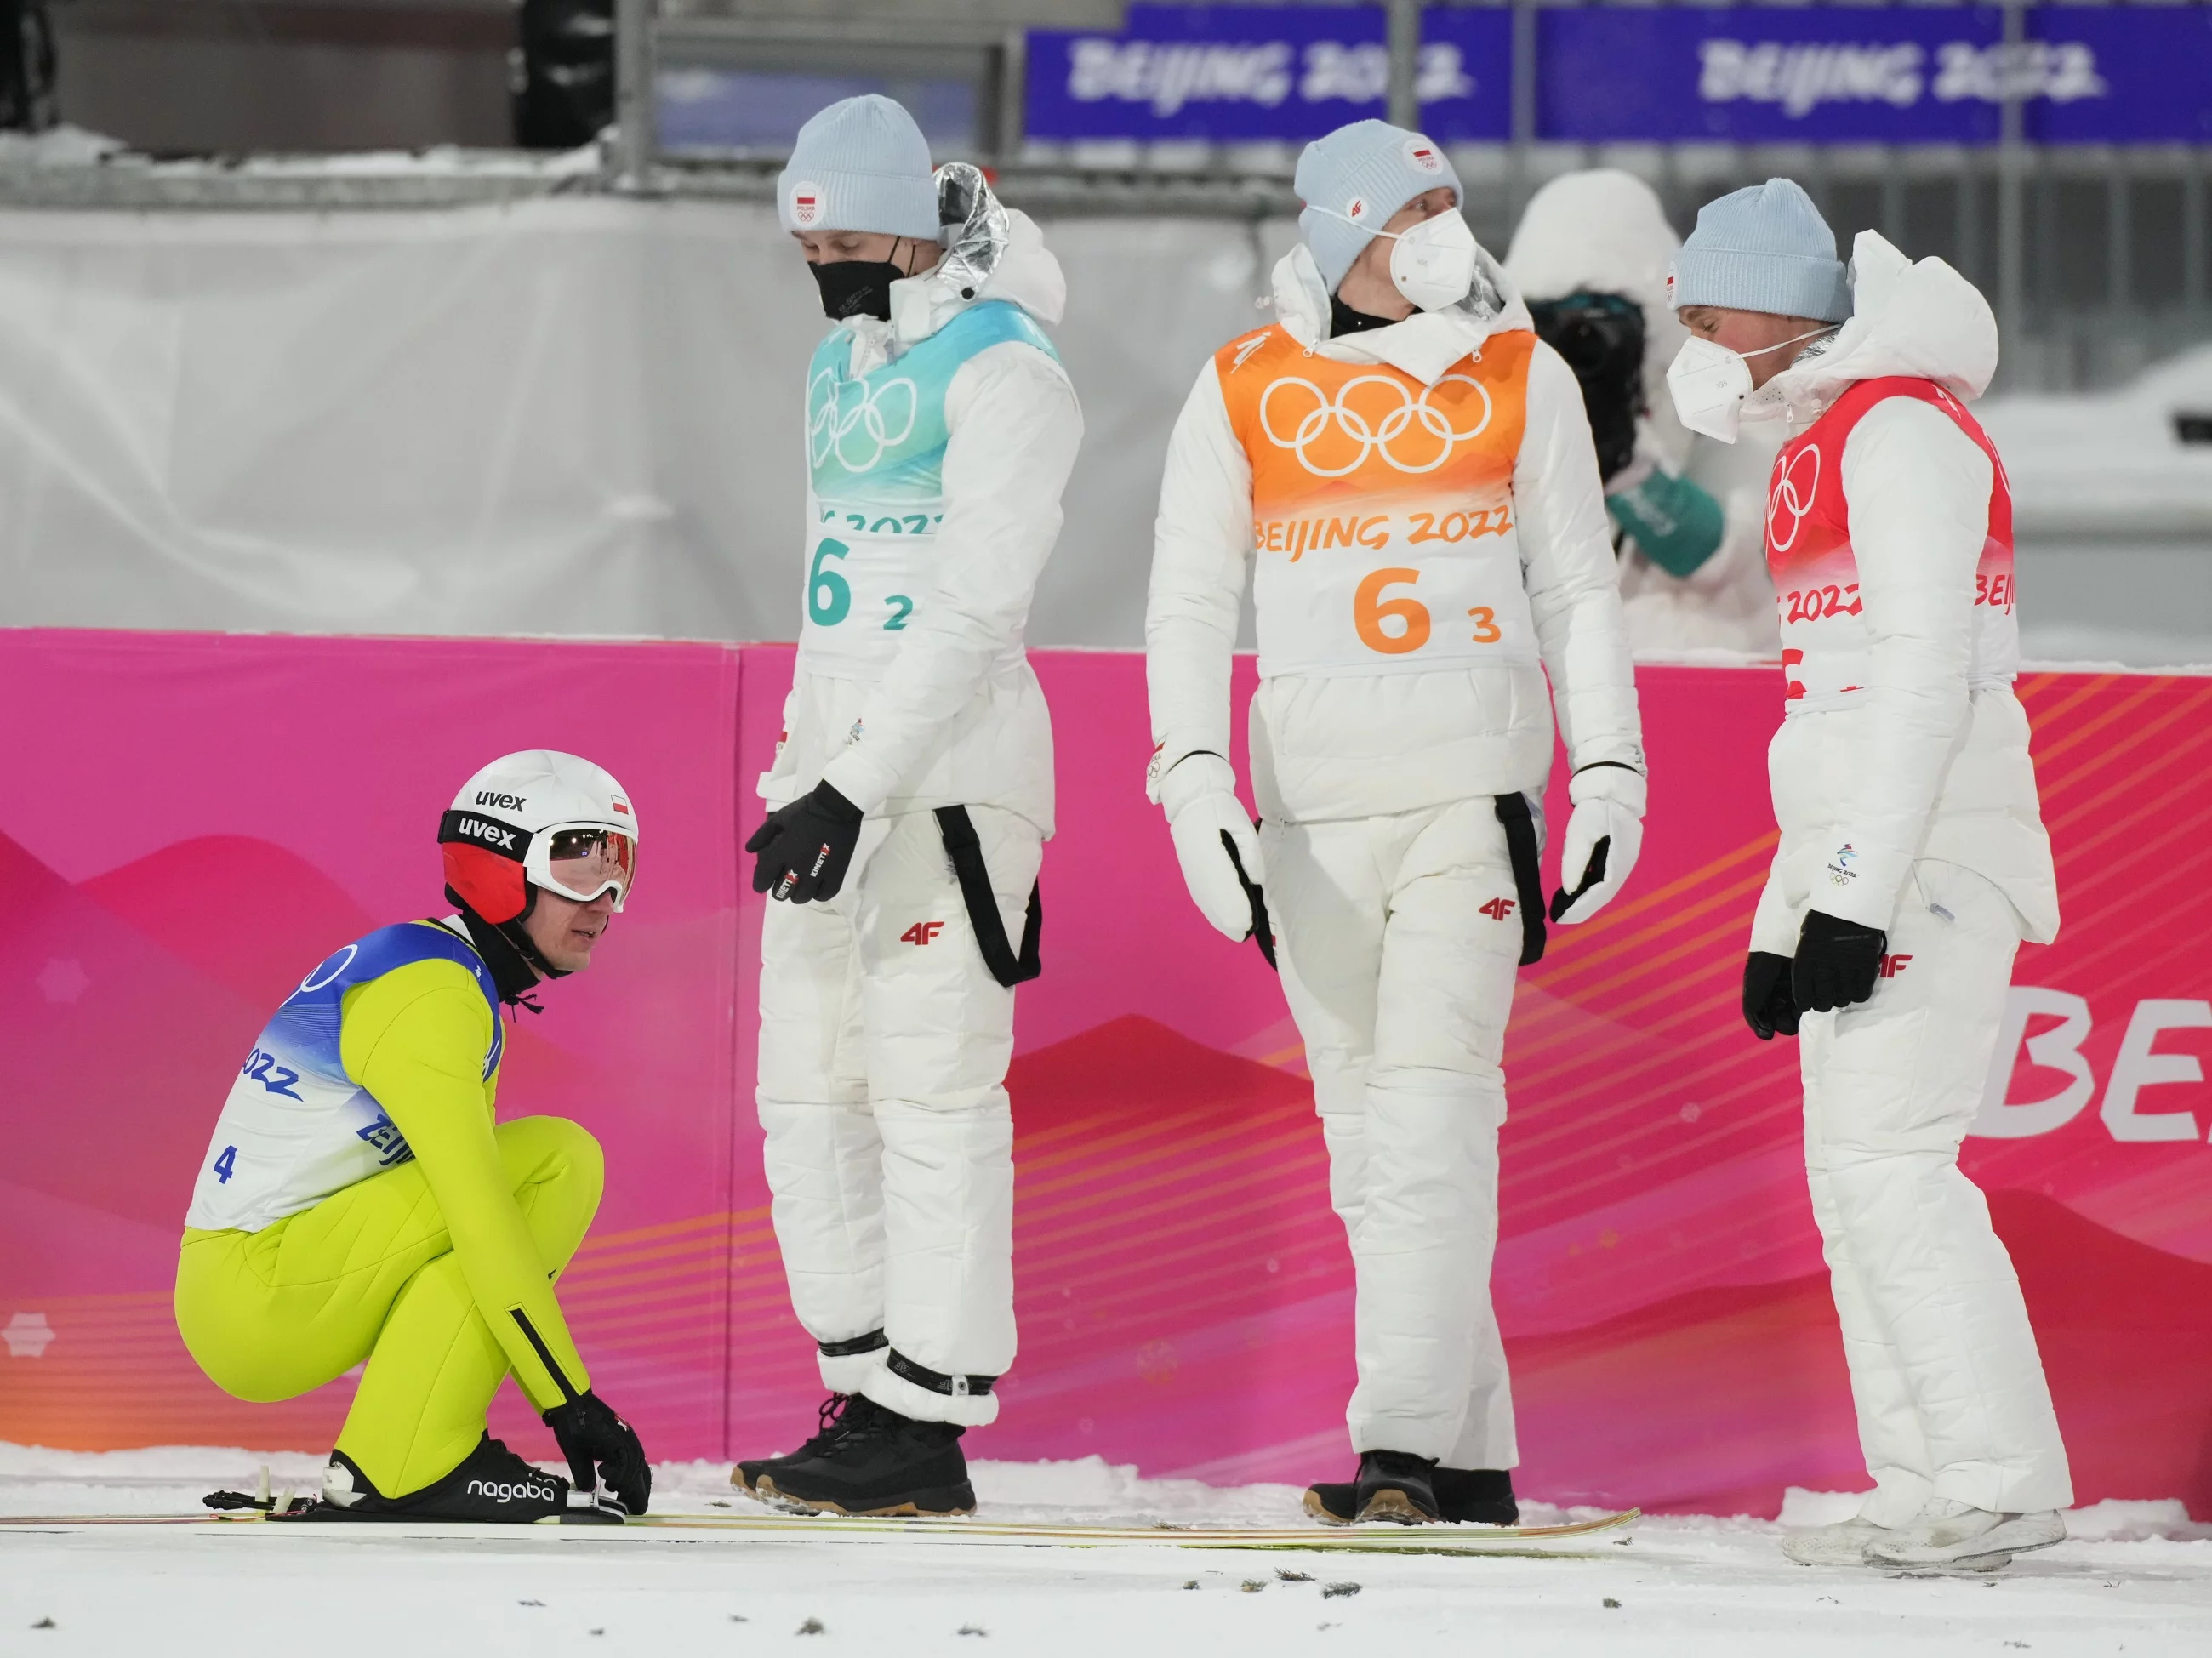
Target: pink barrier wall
[[192, 821]]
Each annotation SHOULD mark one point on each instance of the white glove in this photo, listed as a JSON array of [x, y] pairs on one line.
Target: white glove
[[1607, 824], [1207, 819]]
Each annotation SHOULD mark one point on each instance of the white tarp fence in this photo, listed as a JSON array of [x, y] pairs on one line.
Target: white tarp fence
[[582, 415], [555, 416]]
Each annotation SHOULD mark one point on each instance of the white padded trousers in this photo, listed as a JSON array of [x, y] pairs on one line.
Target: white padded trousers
[[884, 1042], [1946, 1377], [1401, 985]]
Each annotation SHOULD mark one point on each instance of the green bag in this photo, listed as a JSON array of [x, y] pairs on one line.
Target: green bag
[[1678, 525]]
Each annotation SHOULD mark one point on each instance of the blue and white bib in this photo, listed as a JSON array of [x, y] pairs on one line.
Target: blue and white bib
[[875, 452], [297, 1127]]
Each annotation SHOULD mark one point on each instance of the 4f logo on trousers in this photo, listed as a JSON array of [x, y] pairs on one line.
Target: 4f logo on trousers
[[921, 932], [1498, 909], [1893, 965]]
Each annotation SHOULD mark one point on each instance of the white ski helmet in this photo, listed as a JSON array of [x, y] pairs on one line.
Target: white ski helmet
[[525, 813]]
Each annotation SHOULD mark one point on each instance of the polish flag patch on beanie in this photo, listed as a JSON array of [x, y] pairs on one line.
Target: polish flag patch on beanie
[[805, 203], [1423, 154]]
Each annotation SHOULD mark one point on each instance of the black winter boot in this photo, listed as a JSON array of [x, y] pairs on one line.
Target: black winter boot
[[1397, 1486], [1466, 1496], [829, 1416], [877, 1462], [492, 1483]]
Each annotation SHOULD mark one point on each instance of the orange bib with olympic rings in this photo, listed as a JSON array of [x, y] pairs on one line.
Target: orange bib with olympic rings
[[1382, 509]]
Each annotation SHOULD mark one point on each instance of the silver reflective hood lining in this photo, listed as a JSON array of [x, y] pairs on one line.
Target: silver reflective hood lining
[[976, 231]]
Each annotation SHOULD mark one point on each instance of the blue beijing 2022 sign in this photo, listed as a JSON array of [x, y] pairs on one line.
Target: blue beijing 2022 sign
[[2124, 73], [1246, 74]]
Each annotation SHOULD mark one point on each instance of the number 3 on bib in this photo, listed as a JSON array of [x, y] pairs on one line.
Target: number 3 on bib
[[1370, 610]]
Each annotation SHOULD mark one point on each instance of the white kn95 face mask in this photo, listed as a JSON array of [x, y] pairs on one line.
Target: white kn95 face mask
[[1432, 264], [1709, 383]]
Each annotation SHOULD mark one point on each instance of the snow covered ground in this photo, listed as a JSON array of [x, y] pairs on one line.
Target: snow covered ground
[[2136, 1579]]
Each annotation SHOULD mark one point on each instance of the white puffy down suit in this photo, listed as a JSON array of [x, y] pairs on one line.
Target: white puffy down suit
[[1907, 801], [1419, 508], [884, 1037]]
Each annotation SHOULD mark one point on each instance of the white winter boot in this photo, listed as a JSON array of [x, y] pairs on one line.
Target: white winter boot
[[1963, 1537], [1843, 1544]]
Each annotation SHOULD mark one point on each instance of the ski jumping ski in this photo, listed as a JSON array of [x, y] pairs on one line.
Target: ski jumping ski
[[583, 1522]]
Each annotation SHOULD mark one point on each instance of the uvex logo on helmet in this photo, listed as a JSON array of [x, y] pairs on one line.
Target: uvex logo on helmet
[[512, 842], [500, 802]]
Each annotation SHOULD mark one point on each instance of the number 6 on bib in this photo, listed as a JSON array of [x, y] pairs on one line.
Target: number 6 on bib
[[1350, 461]]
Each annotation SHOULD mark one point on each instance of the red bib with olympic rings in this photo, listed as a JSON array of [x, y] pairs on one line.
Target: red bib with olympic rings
[[1826, 643]]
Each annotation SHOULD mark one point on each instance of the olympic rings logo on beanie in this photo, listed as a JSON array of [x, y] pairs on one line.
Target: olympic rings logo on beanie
[[1423, 155], [805, 202]]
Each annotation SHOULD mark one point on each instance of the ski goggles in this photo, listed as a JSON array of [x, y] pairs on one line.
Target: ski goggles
[[581, 861]]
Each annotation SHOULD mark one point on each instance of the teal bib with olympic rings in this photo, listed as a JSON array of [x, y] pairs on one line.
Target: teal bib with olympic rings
[[880, 439], [875, 453]]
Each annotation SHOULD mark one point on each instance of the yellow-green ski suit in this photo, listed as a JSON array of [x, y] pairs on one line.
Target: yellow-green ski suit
[[439, 1271]]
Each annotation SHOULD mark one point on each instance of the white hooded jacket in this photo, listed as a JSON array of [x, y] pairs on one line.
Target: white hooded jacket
[[1327, 748], [1930, 761], [958, 717], [1604, 232]]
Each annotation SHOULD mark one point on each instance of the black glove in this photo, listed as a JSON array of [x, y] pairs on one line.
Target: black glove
[[1593, 872], [1263, 930], [1837, 963], [591, 1434], [1766, 1004], [806, 848]]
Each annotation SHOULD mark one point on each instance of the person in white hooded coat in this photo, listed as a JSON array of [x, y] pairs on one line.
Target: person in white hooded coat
[[1689, 513], [1913, 860], [1405, 474], [911, 795]]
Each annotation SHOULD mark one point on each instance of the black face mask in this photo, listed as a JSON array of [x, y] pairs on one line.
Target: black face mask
[[856, 288]]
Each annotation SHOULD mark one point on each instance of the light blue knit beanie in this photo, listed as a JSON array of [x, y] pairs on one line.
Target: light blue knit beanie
[[861, 164], [1354, 179], [1765, 247]]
